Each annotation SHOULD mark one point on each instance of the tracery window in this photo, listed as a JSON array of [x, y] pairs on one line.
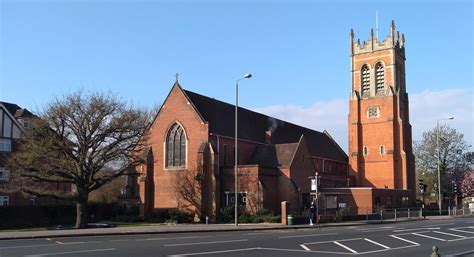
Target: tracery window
[[176, 147], [365, 82], [372, 112], [379, 78]]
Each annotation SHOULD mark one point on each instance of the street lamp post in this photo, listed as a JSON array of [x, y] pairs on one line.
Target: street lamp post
[[438, 161], [246, 76]]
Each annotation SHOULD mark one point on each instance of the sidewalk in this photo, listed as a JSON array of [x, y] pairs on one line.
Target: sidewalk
[[171, 228]]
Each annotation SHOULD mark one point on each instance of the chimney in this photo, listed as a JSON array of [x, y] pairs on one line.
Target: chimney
[[268, 137]]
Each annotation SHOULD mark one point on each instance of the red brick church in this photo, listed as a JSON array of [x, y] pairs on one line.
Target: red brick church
[[190, 155]]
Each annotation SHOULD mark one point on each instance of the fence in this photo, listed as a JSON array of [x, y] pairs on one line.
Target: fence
[[412, 213]]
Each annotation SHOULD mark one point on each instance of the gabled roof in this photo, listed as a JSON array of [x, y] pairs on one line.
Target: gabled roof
[[16, 111], [285, 153], [252, 126]]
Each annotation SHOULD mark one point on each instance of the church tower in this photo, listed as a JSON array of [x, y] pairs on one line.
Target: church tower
[[380, 141]]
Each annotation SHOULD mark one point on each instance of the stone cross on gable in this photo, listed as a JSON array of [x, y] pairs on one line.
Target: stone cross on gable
[[177, 77]]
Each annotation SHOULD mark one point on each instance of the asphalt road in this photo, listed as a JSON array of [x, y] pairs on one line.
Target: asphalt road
[[410, 239]]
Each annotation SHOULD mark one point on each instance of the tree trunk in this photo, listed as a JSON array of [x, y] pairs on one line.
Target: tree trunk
[[82, 212]]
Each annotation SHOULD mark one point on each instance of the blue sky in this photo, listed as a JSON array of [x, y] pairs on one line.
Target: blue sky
[[298, 52]]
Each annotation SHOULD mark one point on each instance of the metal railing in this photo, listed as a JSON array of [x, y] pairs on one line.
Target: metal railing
[[398, 214]]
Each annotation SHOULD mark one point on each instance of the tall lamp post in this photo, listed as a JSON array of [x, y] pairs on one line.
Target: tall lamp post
[[439, 159], [246, 76]]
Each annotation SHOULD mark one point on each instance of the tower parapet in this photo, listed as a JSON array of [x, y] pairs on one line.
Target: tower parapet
[[373, 44]]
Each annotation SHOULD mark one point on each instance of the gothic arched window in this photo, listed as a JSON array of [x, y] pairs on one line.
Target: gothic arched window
[[379, 78], [176, 147], [365, 80]]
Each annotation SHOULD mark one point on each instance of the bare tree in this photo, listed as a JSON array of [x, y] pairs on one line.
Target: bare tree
[[84, 140], [188, 188]]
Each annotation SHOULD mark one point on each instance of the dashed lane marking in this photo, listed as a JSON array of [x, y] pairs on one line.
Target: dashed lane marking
[[211, 242], [432, 237], [345, 247], [376, 243]]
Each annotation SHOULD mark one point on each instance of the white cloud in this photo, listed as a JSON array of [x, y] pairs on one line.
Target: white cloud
[[425, 108]]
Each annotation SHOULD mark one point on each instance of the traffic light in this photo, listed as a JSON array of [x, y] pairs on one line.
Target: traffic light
[[455, 188], [423, 187]]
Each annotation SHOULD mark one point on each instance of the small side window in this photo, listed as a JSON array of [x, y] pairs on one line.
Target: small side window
[[366, 150]]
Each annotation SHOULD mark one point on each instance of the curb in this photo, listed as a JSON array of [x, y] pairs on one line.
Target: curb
[[233, 229]]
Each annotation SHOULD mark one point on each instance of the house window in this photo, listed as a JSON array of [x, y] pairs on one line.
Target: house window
[[4, 200], [176, 147], [379, 78], [365, 80], [5, 145], [241, 198], [331, 201], [4, 174], [366, 150], [372, 112], [382, 150]]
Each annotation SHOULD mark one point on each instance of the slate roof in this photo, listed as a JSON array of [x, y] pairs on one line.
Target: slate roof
[[253, 125], [16, 111]]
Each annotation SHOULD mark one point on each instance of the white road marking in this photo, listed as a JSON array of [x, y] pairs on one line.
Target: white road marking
[[212, 242], [170, 238], [449, 234], [461, 230], [409, 233], [412, 229], [304, 251], [460, 239], [375, 229], [72, 252], [305, 247], [331, 241], [391, 249], [49, 239], [88, 242], [442, 224], [282, 237], [345, 247], [214, 252], [58, 242], [406, 240], [254, 234], [432, 237], [379, 244], [27, 246]]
